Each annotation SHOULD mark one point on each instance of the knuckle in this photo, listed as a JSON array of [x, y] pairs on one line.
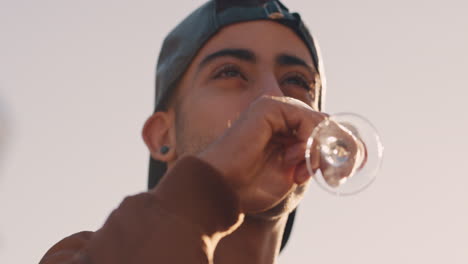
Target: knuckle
[[264, 102]]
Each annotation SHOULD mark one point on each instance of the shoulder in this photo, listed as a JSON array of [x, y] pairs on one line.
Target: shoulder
[[67, 248]]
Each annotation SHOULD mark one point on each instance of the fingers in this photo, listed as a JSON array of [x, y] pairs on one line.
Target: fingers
[[363, 149], [290, 116], [286, 121], [295, 121], [301, 175], [294, 154]]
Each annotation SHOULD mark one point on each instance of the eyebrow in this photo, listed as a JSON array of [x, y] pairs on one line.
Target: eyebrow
[[291, 60], [282, 59], [241, 54]]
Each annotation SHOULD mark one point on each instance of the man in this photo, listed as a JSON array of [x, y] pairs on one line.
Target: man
[[238, 92]]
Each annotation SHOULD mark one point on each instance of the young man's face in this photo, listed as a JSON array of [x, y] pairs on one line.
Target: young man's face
[[238, 65]]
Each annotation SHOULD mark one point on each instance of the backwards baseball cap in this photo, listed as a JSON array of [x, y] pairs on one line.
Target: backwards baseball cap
[[182, 44]]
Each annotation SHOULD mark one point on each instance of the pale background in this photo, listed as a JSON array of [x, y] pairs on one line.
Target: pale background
[[76, 84]]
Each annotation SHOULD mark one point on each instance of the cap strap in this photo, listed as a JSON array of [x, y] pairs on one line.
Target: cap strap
[[273, 10]]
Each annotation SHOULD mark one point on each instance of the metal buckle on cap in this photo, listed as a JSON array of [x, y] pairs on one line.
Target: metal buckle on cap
[[273, 10]]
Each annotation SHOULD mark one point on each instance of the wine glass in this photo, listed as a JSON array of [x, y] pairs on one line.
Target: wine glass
[[349, 152]]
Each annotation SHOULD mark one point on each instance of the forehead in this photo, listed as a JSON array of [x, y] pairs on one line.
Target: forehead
[[265, 38]]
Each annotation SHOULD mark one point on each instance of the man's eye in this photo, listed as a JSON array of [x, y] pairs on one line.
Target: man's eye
[[297, 80], [228, 71]]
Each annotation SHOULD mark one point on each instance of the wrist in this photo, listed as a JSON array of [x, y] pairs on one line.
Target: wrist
[[197, 193]]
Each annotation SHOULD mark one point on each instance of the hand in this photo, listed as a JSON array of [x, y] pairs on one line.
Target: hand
[[262, 154]]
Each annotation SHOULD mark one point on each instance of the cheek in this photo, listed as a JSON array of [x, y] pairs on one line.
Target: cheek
[[201, 122], [217, 116]]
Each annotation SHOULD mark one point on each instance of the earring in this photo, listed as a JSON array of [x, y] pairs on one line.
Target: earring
[[164, 150]]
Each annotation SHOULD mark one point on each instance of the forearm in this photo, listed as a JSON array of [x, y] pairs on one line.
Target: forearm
[[178, 222]]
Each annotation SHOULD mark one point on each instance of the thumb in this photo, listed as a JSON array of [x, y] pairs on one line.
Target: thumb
[[295, 154]]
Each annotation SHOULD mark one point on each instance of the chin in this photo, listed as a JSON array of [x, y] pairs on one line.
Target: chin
[[285, 207]]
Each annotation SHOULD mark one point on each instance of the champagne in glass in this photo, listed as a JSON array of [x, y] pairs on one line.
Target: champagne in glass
[[350, 153]]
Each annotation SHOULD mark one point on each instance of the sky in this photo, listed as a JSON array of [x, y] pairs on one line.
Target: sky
[[77, 84]]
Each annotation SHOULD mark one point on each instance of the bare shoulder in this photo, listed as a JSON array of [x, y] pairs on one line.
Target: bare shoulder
[[67, 249]]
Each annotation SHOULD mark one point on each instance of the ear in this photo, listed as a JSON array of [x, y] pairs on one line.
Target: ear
[[159, 131]]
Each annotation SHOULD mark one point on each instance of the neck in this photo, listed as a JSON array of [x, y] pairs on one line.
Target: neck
[[255, 241]]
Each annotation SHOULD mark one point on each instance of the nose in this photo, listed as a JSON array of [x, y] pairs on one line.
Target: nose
[[268, 85]]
